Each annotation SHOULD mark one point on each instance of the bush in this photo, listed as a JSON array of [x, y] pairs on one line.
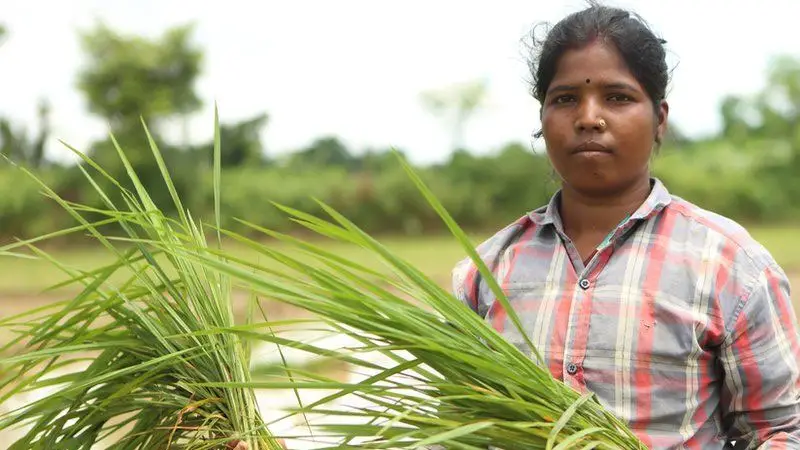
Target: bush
[[750, 181]]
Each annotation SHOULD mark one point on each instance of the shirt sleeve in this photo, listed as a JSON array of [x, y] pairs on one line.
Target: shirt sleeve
[[467, 283], [761, 364], [464, 283]]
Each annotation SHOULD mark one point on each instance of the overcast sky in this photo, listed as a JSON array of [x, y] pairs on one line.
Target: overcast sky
[[356, 68]]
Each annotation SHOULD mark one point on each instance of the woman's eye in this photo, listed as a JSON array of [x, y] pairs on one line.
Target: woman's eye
[[619, 98], [564, 99]]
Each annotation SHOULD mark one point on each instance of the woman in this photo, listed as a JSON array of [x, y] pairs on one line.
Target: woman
[[674, 316]]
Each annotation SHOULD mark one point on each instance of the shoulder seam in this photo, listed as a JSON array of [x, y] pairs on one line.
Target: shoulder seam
[[683, 209]]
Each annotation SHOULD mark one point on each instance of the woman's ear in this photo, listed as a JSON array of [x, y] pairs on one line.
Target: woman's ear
[[662, 113]]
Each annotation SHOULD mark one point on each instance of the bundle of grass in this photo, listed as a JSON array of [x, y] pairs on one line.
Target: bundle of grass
[[121, 359], [452, 380], [172, 358]]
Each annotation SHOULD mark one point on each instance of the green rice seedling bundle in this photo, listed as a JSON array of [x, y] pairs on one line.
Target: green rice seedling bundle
[[118, 361], [453, 381]]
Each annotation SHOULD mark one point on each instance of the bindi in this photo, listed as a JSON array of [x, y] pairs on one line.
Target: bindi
[[588, 81]]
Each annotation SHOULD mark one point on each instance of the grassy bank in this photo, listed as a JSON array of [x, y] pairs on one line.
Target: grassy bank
[[435, 255]]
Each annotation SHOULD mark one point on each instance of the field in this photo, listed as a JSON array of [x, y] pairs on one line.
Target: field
[[23, 282]]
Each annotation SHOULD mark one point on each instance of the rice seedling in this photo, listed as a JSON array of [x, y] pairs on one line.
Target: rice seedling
[[121, 374], [172, 364]]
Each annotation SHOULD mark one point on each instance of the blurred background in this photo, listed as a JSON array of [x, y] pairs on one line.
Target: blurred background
[[313, 95]]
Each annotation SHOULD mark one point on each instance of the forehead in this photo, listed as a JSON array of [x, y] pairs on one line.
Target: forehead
[[596, 61]]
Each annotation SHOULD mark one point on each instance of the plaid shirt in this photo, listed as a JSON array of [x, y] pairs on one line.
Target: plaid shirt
[[681, 323]]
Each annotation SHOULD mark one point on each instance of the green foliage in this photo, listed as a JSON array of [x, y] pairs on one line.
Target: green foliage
[[128, 77], [733, 179], [16, 145], [773, 112], [249, 191], [324, 152], [480, 192], [497, 189], [105, 154], [24, 212], [753, 181], [242, 142]]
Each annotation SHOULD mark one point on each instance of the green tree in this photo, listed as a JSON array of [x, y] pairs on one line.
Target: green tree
[[129, 78], [774, 112], [126, 77], [379, 160], [769, 124], [242, 142], [328, 151], [779, 102], [733, 111], [16, 144]]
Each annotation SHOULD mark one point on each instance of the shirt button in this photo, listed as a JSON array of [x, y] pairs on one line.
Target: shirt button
[[584, 283], [572, 369]]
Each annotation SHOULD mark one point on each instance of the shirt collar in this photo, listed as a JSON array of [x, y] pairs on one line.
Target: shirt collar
[[658, 198]]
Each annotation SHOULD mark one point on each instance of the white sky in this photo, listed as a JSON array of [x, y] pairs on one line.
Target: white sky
[[356, 68]]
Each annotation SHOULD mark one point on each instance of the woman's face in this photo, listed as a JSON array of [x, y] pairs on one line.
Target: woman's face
[[598, 122]]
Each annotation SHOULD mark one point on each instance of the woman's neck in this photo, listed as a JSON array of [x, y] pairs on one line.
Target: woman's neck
[[582, 213]]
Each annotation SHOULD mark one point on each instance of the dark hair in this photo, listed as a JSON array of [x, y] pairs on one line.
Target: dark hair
[[639, 47]]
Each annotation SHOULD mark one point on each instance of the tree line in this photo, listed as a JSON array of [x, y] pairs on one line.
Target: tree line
[[747, 171]]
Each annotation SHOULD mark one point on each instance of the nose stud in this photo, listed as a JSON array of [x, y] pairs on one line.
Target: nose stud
[[601, 124]]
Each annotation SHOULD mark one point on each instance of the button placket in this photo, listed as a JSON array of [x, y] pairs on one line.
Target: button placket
[[575, 352]]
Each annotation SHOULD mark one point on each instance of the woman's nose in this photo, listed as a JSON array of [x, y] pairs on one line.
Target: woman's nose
[[589, 118]]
